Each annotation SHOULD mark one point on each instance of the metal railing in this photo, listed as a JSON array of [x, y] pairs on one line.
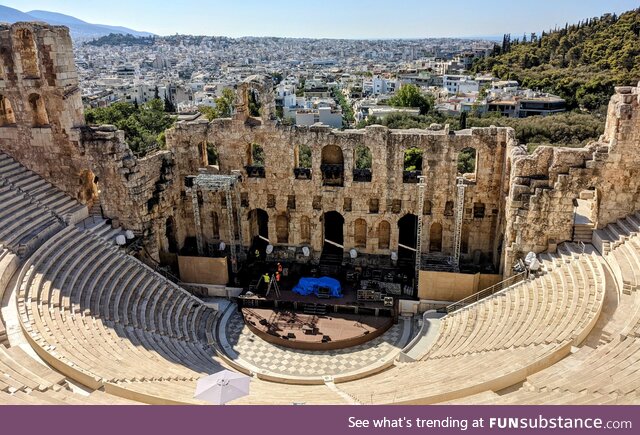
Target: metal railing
[[486, 292]]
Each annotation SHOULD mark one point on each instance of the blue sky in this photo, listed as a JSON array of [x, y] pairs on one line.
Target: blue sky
[[332, 18]]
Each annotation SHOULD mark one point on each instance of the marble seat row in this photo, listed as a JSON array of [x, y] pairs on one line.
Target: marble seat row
[[19, 179], [110, 318], [561, 304], [23, 380]]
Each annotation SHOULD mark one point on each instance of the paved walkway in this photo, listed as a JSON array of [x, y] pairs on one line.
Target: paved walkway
[[252, 352]]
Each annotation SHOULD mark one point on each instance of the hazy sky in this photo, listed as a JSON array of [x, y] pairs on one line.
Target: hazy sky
[[332, 18]]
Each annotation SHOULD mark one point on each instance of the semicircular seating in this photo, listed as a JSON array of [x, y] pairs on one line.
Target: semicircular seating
[[104, 319], [501, 340], [108, 317]]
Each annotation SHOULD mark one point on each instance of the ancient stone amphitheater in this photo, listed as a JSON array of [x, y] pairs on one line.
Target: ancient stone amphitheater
[[84, 322]]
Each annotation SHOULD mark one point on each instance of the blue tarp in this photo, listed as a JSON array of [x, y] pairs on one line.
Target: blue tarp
[[307, 286]]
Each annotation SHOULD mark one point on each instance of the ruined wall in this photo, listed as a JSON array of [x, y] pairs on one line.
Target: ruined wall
[[298, 201], [542, 186], [40, 95]]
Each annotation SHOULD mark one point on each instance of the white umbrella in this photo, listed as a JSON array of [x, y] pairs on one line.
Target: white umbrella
[[222, 387]]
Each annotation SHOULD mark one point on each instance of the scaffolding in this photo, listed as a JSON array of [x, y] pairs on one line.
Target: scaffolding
[[226, 184], [457, 231], [422, 184]]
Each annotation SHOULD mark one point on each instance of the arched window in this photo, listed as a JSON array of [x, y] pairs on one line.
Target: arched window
[[384, 235], [39, 112], [305, 230], [257, 155], [332, 166], [412, 165], [212, 154], [28, 53], [303, 156], [467, 163], [253, 102], [302, 168], [362, 164], [282, 229], [360, 233], [435, 237], [7, 117], [256, 159]]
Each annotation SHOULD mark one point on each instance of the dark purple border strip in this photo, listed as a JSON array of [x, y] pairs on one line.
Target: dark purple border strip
[[301, 420]]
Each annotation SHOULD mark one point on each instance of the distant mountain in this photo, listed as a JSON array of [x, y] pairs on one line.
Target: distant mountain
[[10, 15], [79, 29]]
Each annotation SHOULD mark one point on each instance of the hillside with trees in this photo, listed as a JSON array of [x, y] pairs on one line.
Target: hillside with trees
[[581, 62]]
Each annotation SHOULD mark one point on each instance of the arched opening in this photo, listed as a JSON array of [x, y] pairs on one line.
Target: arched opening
[[282, 229], [435, 237], [253, 102], [302, 168], [7, 117], [305, 230], [467, 163], [39, 112], [412, 165], [384, 235], [211, 154], [362, 164], [259, 231], [170, 233], [28, 53], [333, 246], [332, 166], [215, 226], [256, 159], [360, 233], [407, 232]]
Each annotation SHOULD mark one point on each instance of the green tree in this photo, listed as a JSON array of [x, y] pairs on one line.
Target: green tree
[[143, 125], [363, 157], [168, 105], [224, 106], [410, 96]]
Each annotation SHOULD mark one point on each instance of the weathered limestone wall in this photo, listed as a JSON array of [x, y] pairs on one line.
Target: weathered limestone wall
[[274, 193], [38, 79], [543, 186]]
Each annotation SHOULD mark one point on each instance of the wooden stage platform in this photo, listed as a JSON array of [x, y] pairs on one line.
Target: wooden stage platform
[[314, 331]]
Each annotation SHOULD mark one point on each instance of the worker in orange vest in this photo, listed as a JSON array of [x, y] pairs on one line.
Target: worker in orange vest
[[277, 276]]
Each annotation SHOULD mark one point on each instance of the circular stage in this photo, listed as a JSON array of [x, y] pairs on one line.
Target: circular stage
[[314, 332]]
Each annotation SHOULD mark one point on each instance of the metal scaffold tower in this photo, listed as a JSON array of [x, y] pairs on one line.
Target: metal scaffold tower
[[422, 184], [457, 231], [226, 184]]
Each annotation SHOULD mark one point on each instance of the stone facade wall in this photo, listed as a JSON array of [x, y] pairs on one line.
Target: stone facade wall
[[39, 80], [233, 139]]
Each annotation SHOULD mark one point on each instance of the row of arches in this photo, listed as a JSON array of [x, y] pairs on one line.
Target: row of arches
[[332, 162], [333, 230], [40, 118]]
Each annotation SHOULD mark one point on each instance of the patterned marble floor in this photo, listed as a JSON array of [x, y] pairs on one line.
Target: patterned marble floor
[[247, 346]]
